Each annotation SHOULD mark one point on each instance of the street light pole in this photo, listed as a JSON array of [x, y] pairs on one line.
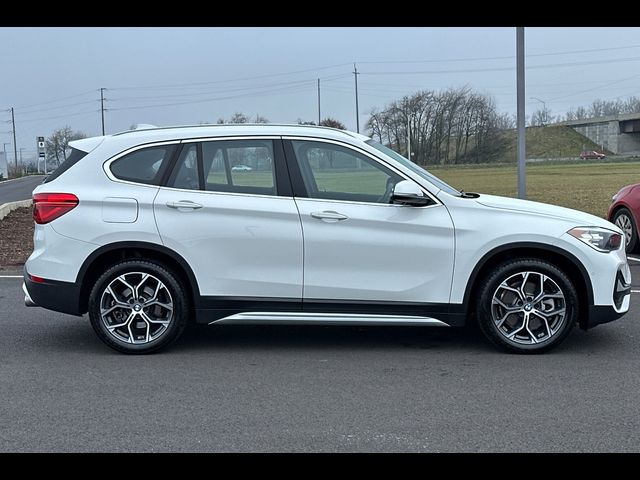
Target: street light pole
[[544, 107], [521, 152]]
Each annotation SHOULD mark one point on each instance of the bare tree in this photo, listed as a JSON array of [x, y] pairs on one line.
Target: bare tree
[[333, 123], [260, 119], [451, 126], [57, 145], [239, 117], [541, 117], [603, 108]]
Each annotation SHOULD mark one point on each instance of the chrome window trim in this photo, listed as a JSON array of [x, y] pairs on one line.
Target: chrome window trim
[[213, 192], [106, 167], [375, 159], [375, 204], [107, 164]]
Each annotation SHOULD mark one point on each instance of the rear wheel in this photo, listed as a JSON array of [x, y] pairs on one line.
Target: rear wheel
[[138, 306], [527, 306], [624, 220]]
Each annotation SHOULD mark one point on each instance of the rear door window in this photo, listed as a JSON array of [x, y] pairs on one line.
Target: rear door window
[[239, 166]]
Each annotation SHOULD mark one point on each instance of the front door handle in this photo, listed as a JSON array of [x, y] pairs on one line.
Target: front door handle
[[329, 215], [184, 204]]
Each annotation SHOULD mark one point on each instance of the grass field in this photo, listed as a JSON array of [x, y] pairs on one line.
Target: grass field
[[587, 186], [584, 186]]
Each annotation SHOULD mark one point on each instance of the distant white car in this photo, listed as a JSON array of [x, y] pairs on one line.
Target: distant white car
[[241, 168]]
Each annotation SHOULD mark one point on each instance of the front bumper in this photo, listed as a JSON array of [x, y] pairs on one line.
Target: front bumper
[[599, 314], [54, 295], [621, 298]]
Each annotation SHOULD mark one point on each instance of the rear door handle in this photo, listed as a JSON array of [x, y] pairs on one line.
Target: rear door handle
[[329, 215], [184, 204]]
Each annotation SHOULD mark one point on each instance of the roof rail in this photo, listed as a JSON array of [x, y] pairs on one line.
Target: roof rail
[[151, 127]]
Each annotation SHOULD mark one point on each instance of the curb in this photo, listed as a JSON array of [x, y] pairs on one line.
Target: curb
[[9, 207]]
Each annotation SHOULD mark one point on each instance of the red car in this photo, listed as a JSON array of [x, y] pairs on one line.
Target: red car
[[624, 211], [591, 154]]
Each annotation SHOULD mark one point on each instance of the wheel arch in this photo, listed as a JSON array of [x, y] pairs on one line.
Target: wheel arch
[[96, 263], [566, 261]]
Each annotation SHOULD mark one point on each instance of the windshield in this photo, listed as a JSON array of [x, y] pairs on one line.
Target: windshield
[[414, 168]]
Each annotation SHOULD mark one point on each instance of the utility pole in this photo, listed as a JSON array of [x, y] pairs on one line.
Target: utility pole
[[15, 148], [4, 147], [102, 107], [355, 73], [522, 182], [318, 101], [408, 137]]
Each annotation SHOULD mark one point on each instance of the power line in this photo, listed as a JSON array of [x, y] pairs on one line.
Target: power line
[[204, 100], [182, 85], [224, 90], [505, 57], [502, 69], [595, 88], [56, 100], [56, 107], [59, 116]]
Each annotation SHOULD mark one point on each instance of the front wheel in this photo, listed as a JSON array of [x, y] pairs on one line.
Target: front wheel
[[526, 306], [138, 306]]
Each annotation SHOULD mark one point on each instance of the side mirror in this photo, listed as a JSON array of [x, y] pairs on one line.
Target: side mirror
[[407, 192]]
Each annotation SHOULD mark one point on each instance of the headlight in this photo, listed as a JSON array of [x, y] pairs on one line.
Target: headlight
[[598, 238]]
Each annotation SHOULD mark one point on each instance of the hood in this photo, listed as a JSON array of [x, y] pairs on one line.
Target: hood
[[581, 219]]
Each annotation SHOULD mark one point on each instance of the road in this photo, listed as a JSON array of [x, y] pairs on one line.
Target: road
[[313, 389], [19, 189]]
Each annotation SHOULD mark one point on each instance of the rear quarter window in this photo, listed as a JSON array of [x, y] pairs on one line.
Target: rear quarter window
[[146, 165], [74, 157]]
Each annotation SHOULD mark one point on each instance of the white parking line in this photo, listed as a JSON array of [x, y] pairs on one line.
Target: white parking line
[[11, 276], [633, 258]]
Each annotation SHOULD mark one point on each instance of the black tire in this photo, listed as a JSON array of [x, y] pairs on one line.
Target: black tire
[[178, 318], [509, 270], [633, 243]]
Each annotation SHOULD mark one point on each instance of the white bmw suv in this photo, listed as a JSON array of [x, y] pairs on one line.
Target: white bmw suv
[[149, 230]]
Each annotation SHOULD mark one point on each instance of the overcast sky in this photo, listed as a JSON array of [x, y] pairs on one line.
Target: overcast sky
[[169, 76]]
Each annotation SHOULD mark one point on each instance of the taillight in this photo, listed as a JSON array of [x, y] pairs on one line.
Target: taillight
[[49, 206]]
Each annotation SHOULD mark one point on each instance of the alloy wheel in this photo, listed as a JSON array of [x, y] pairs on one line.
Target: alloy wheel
[[528, 308], [136, 308], [624, 222]]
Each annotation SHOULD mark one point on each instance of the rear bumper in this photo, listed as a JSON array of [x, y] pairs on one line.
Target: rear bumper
[[54, 295]]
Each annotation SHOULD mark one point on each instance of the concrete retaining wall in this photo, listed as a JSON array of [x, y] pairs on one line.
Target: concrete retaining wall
[[9, 207]]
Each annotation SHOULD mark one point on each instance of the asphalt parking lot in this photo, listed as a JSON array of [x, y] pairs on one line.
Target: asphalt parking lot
[[313, 389], [19, 189]]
